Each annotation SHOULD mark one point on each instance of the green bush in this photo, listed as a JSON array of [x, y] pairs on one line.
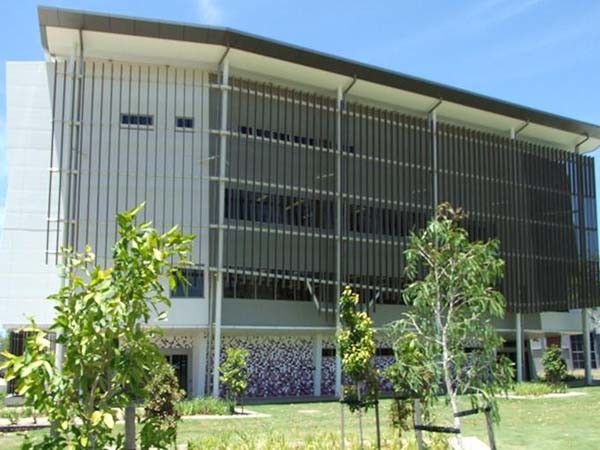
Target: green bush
[[539, 389], [555, 367], [159, 426], [234, 375], [203, 406]]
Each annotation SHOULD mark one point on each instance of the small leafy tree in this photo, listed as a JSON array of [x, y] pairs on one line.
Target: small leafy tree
[[234, 375], [102, 321], [446, 335], [555, 367], [356, 340], [159, 428]]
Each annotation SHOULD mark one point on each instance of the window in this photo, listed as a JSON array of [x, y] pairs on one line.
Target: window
[[296, 139], [328, 352], [195, 288], [577, 353], [384, 351], [180, 366], [137, 120], [184, 123]]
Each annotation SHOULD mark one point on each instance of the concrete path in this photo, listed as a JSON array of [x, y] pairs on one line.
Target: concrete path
[[470, 443]]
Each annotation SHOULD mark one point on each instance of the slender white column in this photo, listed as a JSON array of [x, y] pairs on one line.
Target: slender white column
[[220, 236], [587, 348], [317, 363], [518, 318], [519, 345], [338, 241], [199, 365], [433, 118]]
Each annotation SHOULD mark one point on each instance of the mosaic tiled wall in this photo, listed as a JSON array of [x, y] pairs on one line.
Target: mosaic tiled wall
[[174, 341], [282, 366], [328, 369], [279, 366]]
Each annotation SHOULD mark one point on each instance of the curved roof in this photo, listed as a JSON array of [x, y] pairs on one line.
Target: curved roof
[[577, 131]]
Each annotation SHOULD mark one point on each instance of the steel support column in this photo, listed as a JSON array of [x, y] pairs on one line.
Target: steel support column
[[218, 292], [587, 348], [585, 320], [434, 148], [77, 74], [519, 345], [519, 342], [338, 236], [318, 364]]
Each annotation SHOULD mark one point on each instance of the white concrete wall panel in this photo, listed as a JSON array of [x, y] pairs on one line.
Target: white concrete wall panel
[[25, 278]]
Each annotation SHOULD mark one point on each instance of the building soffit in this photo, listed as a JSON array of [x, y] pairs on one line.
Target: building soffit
[[155, 42]]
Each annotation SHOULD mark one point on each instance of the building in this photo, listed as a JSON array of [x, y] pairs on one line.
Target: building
[[299, 172]]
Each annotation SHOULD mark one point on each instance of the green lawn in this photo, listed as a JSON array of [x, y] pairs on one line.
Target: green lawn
[[548, 424]]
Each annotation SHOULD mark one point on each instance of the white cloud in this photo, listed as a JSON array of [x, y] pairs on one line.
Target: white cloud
[[209, 13]]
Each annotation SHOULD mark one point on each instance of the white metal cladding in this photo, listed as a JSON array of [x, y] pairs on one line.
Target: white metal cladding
[[114, 166]]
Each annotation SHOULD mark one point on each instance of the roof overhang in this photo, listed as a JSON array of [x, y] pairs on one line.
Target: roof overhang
[[156, 42]]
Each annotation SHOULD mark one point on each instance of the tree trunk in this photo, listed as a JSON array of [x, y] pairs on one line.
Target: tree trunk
[[360, 424], [130, 443], [377, 426], [342, 423], [451, 392]]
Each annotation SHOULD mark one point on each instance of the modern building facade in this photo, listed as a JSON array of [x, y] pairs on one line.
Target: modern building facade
[[299, 172]]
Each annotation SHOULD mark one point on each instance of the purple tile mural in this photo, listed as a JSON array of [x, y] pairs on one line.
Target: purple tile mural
[[328, 369], [282, 366], [279, 366], [382, 363]]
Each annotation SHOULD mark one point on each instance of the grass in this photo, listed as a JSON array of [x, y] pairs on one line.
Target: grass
[[549, 424]]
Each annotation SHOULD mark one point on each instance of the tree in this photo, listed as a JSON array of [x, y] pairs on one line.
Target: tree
[[446, 335], [234, 375], [160, 420], [555, 367], [356, 341], [102, 321]]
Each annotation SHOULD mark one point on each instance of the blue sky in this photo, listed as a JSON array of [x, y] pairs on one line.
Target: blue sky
[[539, 53]]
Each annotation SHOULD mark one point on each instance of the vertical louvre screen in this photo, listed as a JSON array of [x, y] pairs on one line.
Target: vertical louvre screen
[[116, 144], [528, 196]]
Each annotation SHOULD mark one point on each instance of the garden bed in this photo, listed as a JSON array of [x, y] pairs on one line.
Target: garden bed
[[23, 424]]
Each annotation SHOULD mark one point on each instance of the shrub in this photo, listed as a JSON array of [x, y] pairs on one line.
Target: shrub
[[555, 367], [539, 389], [102, 319], [159, 426], [203, 406], [234, 375]]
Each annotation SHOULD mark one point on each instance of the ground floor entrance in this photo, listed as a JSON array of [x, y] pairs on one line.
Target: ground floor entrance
[[179, 362]]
